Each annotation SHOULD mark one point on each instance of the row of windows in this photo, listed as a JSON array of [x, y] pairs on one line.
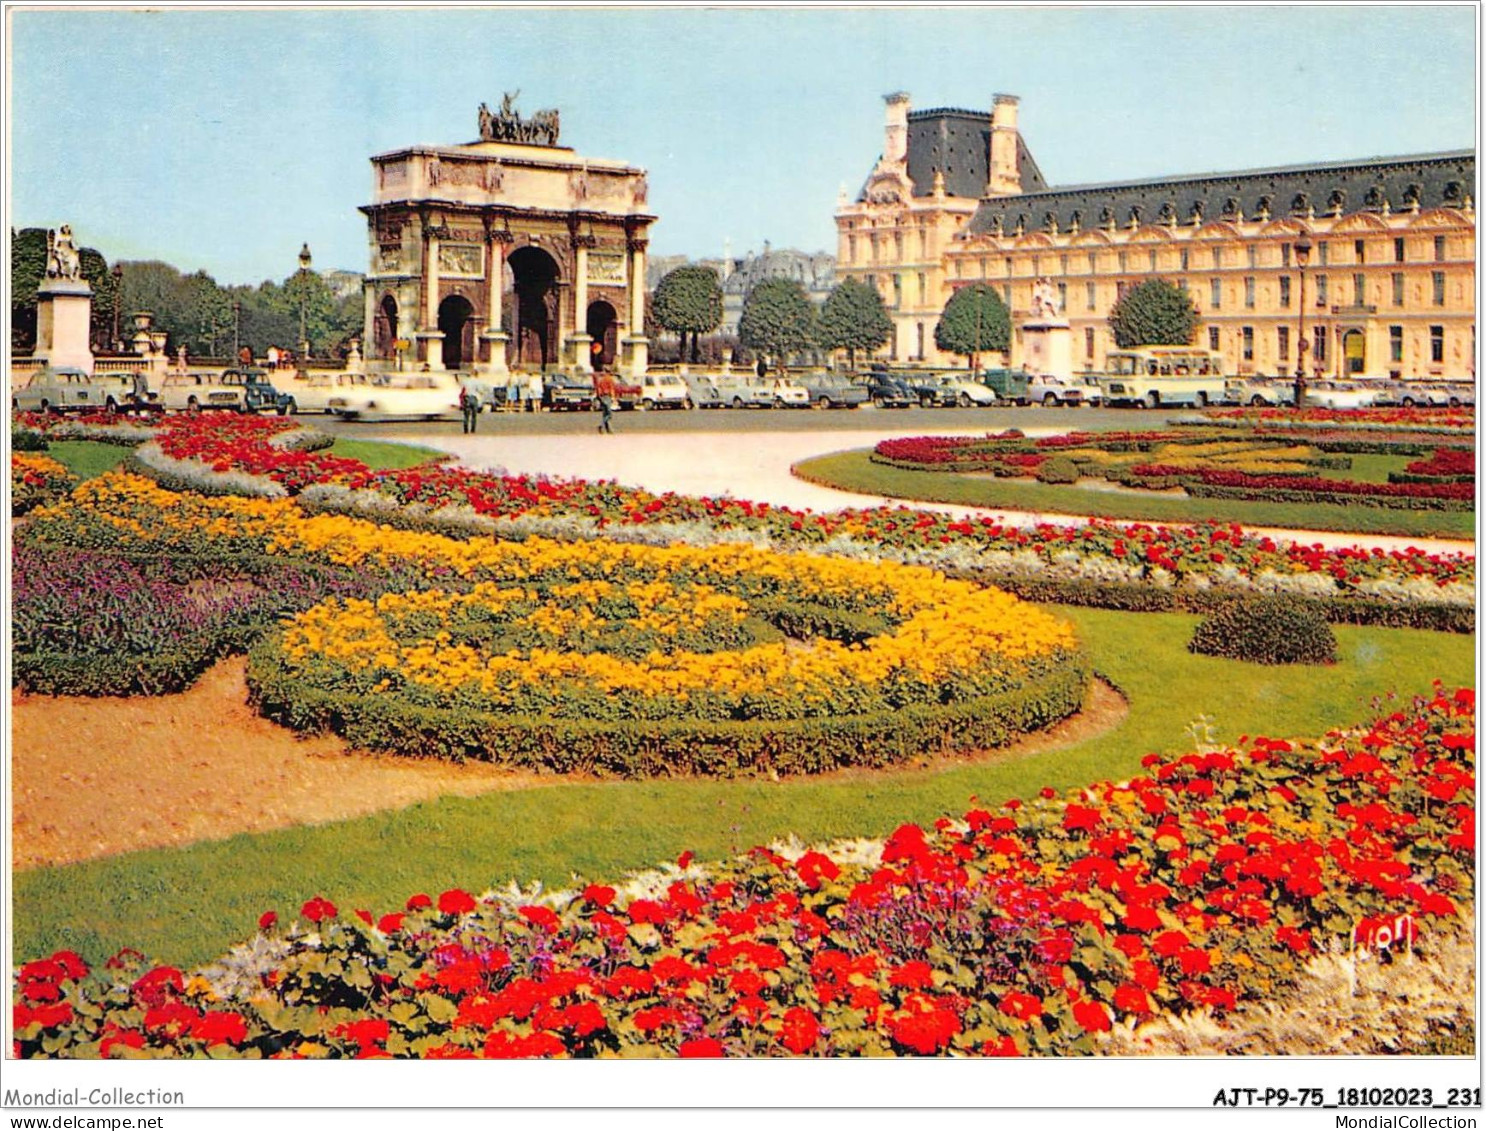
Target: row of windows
[[1167, 259]]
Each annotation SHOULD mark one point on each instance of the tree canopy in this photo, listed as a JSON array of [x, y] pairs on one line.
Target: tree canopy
[[974, 320], [778, 319], [1155, 313], [688, 300], [854, 318]]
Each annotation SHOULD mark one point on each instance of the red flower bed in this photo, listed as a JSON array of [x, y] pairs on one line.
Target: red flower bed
[[1313, 484], [1205, 881], [1181, 549], [1455, 462]]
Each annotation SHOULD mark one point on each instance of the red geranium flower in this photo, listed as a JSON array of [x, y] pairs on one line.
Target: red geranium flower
[[456, 902], [1092, 1016], [1131, 999], [799, 1031], [318, 909], [267, 920], [699, 1048], [1024, 1007], [418, 902]]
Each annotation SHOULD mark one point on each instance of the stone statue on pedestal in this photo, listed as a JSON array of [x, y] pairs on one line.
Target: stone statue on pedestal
[[62, 259], [1044, 299]]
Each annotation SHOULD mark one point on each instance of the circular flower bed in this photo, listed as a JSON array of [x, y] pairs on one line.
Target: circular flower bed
[[636, 660]]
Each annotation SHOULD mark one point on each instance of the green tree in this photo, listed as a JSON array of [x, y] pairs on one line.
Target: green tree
[[974, 319], [208, 313], [854, 318], [309, 290], [1155, 313], [106, 294], [27, 266], [689, 300], [778, 320]]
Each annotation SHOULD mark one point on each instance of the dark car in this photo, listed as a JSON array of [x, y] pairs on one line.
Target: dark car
[[886, 391], [259, 394], [564, 393], [929, 392]]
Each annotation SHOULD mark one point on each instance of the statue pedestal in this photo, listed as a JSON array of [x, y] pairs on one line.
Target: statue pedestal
[[578, 352], [496, 366], [64, 313], [634, 356], [1047, 348]]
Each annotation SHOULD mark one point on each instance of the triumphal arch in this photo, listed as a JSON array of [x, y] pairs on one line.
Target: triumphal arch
[[510, 252]]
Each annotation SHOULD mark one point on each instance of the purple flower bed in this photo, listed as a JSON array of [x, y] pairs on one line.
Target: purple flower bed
[[87, 622]]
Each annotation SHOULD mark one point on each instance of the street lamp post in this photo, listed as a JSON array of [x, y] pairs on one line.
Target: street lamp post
[[237, 309], [118, 274], [1302, 257], [304, 270]]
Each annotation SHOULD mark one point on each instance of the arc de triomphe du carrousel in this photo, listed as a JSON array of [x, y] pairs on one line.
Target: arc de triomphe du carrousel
[[510, 252]]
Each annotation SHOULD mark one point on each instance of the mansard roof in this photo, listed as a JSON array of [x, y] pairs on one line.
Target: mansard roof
[[958, 143], [1434, 180]]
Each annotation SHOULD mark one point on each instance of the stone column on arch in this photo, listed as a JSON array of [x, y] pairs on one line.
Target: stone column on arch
[[636, 344], [430, 334], [495, 334], [580, 340]]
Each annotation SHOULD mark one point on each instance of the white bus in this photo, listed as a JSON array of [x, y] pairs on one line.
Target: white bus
[[1157, 376]]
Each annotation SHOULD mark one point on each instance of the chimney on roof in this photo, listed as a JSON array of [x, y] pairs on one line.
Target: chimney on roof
[[895, 143], [1005, 164]]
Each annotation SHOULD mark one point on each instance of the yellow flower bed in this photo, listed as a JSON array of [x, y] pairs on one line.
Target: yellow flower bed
[[943, 637]]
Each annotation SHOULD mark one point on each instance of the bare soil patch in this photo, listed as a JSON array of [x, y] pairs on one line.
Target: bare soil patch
[[99, 777], [95, 777]]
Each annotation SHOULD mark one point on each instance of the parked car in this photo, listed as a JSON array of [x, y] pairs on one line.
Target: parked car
[[787, 394], [927, 390], [259, 393], [397, 396], [1093, 393], [1008, 384], [1408, 394], [63, 389], [200, 392], [1052, 392], [311, 392], [964, 392], [564, 392], [663, 390], [702, 392], [832, 390], [886, 391], [1258, 392], [1338, 394], [739, 391]]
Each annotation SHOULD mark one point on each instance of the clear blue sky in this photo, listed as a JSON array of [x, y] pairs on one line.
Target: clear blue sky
[[223, 140]]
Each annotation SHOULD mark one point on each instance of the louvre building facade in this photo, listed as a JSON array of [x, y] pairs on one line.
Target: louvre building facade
[[1389, 285]]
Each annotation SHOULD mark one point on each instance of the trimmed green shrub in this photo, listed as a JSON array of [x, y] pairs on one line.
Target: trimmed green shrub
[[637, 748], [1058, 469], [1266, 630], [27, 440]]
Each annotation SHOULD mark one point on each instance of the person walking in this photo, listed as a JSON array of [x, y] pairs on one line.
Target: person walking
[[469, 406], [606, 421]]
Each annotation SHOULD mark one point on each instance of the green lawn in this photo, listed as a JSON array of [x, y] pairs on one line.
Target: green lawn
[[187, 905], [87, 458], [382, 456], [855, 471]]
